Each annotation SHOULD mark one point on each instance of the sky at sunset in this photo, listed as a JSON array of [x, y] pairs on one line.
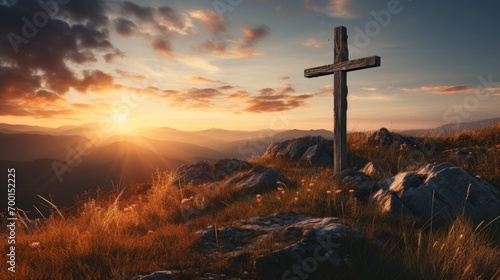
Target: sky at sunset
[[238, 64]]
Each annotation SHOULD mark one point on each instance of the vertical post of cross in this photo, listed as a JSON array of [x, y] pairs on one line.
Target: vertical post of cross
[[341, 65], [341, 54]]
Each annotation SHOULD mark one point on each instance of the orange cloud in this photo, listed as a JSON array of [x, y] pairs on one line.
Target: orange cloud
[[326, 90], [40, 104], [200, 98], [253, 35], [239, 94], [127, 75], [276, 100], [95, 81], [212, 20], [460, 89], [226, 87], [218, 48], [374, 96], [276, 103], [334, 8], [201, 80], [312, 43], [244, 53], [455, 89], [225, 45]]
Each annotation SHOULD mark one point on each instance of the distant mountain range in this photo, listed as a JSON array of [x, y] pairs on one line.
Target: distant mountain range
[[452, 127], [37, 152], [123, 162]]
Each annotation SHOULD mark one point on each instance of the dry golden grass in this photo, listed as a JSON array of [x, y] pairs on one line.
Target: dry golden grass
[[144, 229]]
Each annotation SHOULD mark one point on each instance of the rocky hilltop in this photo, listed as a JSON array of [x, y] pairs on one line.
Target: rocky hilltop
[[304, 246], [286, 216]]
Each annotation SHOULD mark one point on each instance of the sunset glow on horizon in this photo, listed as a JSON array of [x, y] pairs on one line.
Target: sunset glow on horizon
[[238, 65]]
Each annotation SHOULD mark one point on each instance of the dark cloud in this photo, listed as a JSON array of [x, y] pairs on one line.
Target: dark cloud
[[199, 98], [455, 88], [20, 110], [276, 103], [20, 95], [89, 38], [284, 89], [217, 26], [14, 81], [90, 12], [158, 26], [227, 87], [287, 89], [47, 95], [204, 93], [276, 100], [267, 91], [239, 94], [109, 57], [267, 100], [218, 48], [163, 46], [39, 44], [128, 75], [141, 12], [202, 80], [171, 16], [223, 44], [95, 81], [253, 35], [125, 27]]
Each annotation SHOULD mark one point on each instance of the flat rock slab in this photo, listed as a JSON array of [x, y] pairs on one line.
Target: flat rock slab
[[158, 275], [297, 240]]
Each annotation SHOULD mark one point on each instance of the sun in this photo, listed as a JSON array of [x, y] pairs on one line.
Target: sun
[[120, 118], [121, 123]]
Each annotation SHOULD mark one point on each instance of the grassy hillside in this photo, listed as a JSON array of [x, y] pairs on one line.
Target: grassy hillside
[[141, 228]]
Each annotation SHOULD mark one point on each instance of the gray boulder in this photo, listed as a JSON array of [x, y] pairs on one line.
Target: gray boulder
[[311, 150], [320, 248], [276, 149], [357, 180], [299, 241], [158, 275], [295, 149], [316, 155], [439, 190], [194, 173], [204, 172], [388, 139], [375, 170], [257, 180], [227, 167]]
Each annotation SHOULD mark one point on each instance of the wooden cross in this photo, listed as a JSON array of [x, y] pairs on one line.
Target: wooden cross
[[341, 65]]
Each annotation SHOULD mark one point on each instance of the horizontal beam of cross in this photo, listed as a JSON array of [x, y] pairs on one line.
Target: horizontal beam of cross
[[350, 65]]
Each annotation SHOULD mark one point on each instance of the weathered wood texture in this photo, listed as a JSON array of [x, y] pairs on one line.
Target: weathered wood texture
[[341, 65], [341, 55], [350, 65]]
